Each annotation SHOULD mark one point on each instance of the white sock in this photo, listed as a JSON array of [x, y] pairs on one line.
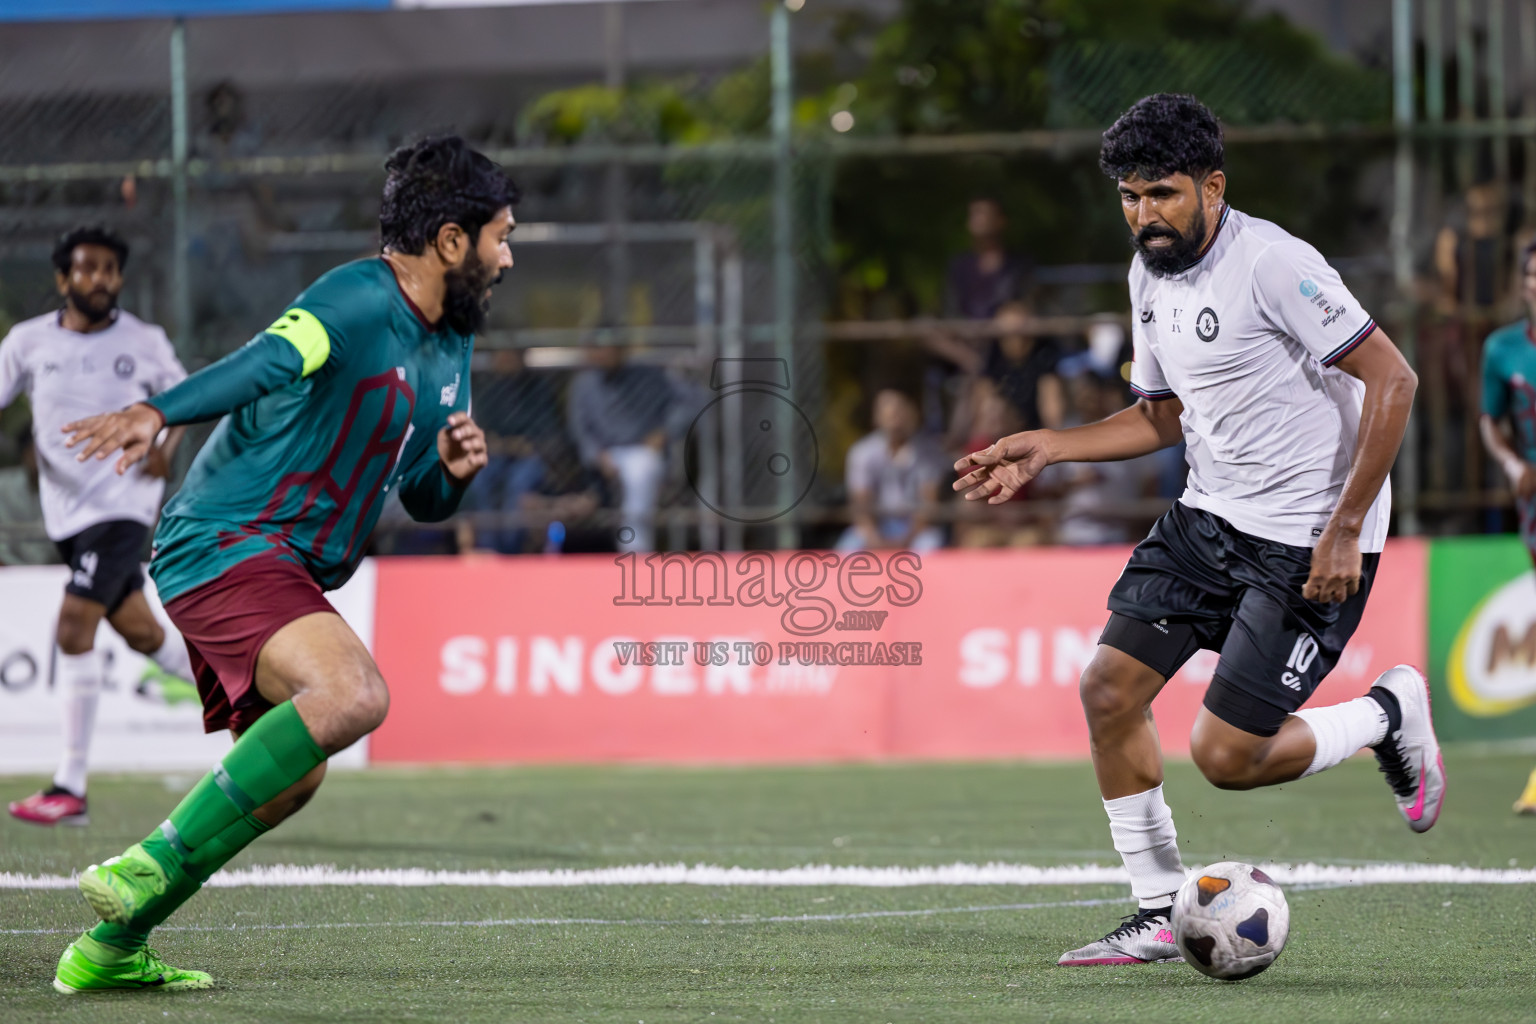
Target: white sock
[[1343, 729], [172, 656], [1142, 827], [79, 677]]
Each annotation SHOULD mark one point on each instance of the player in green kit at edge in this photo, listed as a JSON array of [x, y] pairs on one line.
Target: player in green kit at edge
[[359, 388], [1509, 392]]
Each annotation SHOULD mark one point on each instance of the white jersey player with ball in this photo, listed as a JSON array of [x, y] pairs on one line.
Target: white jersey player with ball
[[86, 358], [1292, 404]]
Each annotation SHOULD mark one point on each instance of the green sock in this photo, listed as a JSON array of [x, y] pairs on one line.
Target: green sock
[[200, 866], [273, 754]]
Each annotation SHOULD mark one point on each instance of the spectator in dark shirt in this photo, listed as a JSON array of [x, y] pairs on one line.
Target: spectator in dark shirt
[[982, 280], [980, 283], [519, 411], [1023, 367], [620, 415]]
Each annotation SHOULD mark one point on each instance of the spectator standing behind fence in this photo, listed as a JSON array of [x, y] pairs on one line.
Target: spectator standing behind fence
[[893, 482], [620, 414], [1472, 257], [519, 411], [978, 285]]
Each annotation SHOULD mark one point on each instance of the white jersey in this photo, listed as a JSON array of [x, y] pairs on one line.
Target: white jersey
[[69, 375], [1247, 338]]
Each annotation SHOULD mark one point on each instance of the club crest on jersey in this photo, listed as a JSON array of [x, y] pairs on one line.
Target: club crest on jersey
[[123, 367], [1207, 325], [451, 391]]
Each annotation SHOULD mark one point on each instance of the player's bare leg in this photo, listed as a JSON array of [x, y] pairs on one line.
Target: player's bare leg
[[319, 664], [78, 672], [1117, 692], [169, 666], [327, 694], [1393, 720]]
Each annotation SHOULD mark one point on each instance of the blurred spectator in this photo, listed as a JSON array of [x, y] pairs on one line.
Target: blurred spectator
[[1019, 370], [1023, 368], [620, 415], [1098, 498], [519, 411], [1472, 253], [988, 276], [893, 482], [979, 284], [19, 504]]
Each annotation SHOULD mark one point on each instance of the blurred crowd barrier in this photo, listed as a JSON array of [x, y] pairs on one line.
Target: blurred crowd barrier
[[724, 263]]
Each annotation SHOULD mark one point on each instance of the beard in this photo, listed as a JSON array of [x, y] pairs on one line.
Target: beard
[[466, 301], [94, 306], [1165, 262]]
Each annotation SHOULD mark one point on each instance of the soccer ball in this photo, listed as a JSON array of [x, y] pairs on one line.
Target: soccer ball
[[1230, 920]]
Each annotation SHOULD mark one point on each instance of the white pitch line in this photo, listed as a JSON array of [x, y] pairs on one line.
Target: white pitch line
[[513, 922], [288, 875]]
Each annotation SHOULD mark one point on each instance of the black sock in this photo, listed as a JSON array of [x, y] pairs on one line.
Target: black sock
[[61, 791], [1388, 701]]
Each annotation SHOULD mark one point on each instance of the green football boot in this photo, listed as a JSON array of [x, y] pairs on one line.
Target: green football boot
[[119, 888], [81, 970], [155, 683]]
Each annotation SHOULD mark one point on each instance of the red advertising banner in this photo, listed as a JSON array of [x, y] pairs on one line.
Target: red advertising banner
[[784, 656]]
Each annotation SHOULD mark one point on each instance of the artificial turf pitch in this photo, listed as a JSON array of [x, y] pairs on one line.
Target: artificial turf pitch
[[664, 953]]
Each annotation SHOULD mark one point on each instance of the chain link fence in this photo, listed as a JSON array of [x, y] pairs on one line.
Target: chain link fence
[[651, 261]]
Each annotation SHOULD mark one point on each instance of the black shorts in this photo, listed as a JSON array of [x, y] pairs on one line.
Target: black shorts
[[1198, 582], [104, 561]]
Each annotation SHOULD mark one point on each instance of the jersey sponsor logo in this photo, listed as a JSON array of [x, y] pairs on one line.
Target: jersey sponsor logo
[[1334, 315], [1146, 316], [451, 391], [1292, 680], [1207, 325], [1309, 288], [123, 366]]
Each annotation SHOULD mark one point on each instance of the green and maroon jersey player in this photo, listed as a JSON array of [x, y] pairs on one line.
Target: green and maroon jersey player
[[337, 404]]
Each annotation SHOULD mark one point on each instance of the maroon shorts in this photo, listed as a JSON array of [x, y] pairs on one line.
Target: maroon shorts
[[228, 620]]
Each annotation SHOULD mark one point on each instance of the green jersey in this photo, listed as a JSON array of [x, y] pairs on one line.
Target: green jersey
[[1509, 383], [331, 408]]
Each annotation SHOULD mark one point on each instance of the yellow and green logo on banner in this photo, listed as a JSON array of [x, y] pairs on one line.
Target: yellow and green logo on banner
[[1482, 637]]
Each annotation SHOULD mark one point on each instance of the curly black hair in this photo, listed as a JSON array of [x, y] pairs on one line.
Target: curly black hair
[[1162, 134], [437, 181], [88, 234]]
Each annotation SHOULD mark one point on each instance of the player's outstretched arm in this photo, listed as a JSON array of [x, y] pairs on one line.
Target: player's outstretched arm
[[259, 367], [1389, 387], [1521, 474], [999, 472]]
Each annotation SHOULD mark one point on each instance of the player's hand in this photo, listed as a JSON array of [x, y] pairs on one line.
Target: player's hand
[[1001, 471], [156, 464], [461, 447], [133, 430], [1336, 566]]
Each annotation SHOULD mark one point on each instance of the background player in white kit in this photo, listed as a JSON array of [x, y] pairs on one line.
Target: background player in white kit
[[1293, 404], [86, 358]]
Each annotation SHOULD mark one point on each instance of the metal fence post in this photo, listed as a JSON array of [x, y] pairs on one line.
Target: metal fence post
[[783, 242], [181, 284]]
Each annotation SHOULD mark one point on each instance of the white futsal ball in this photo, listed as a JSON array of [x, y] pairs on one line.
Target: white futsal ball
[[1230, 920]]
